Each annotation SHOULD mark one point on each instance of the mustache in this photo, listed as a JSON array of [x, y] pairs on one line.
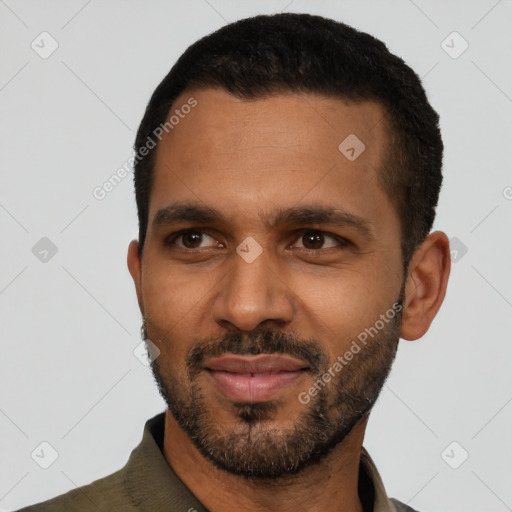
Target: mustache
[[259, 341]]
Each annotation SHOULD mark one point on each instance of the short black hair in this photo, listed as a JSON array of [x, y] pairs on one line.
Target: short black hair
[[257, 57]]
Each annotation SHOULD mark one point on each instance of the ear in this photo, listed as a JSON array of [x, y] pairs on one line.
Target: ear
[[135, 268], [425, 286]]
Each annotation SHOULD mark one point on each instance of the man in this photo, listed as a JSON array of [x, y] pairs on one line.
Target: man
[[287, 172]]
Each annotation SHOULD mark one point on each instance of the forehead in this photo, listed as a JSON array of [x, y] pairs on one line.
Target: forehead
[[307, 121], [288, 149]]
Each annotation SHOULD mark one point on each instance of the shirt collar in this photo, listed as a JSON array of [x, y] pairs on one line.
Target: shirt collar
[[153, 486], [381, 503]]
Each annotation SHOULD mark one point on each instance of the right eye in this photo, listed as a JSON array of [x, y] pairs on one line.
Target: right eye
[[191, 239]]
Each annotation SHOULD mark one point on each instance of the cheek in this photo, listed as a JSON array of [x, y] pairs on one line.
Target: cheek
[[173, 303], [170, 291], [336, 307], [340, 306]]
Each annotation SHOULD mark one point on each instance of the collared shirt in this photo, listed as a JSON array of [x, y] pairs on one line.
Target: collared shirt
[[147, 483]]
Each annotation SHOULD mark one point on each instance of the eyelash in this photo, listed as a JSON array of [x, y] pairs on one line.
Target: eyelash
[[170, 240]]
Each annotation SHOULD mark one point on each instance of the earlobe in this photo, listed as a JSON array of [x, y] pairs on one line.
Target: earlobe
[[426, 284], [135, 267]]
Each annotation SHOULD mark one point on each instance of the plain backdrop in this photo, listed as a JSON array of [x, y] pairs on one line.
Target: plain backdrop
[[440, 432]]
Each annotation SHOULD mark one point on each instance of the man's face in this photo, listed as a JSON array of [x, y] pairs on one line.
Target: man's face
[[262, 277]]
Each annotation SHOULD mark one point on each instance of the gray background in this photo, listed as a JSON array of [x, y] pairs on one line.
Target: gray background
[[70, 324]]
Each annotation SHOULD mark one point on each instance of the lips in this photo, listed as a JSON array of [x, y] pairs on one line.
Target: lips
[[255, 378], [260, 364]]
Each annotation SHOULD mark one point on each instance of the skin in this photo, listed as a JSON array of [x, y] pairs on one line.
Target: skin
[[247, 159]]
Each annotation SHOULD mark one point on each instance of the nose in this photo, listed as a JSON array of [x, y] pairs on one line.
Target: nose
[[252, 294]]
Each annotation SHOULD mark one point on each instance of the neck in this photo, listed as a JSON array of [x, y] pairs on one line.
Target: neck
[[331, 484]]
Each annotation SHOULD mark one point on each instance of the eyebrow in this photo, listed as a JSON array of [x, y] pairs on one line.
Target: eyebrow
[[313, 214]]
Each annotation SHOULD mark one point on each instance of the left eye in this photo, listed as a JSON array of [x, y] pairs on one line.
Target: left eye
[[314, 240]]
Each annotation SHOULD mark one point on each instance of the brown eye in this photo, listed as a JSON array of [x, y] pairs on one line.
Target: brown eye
[[313, 240], [190, 239]]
